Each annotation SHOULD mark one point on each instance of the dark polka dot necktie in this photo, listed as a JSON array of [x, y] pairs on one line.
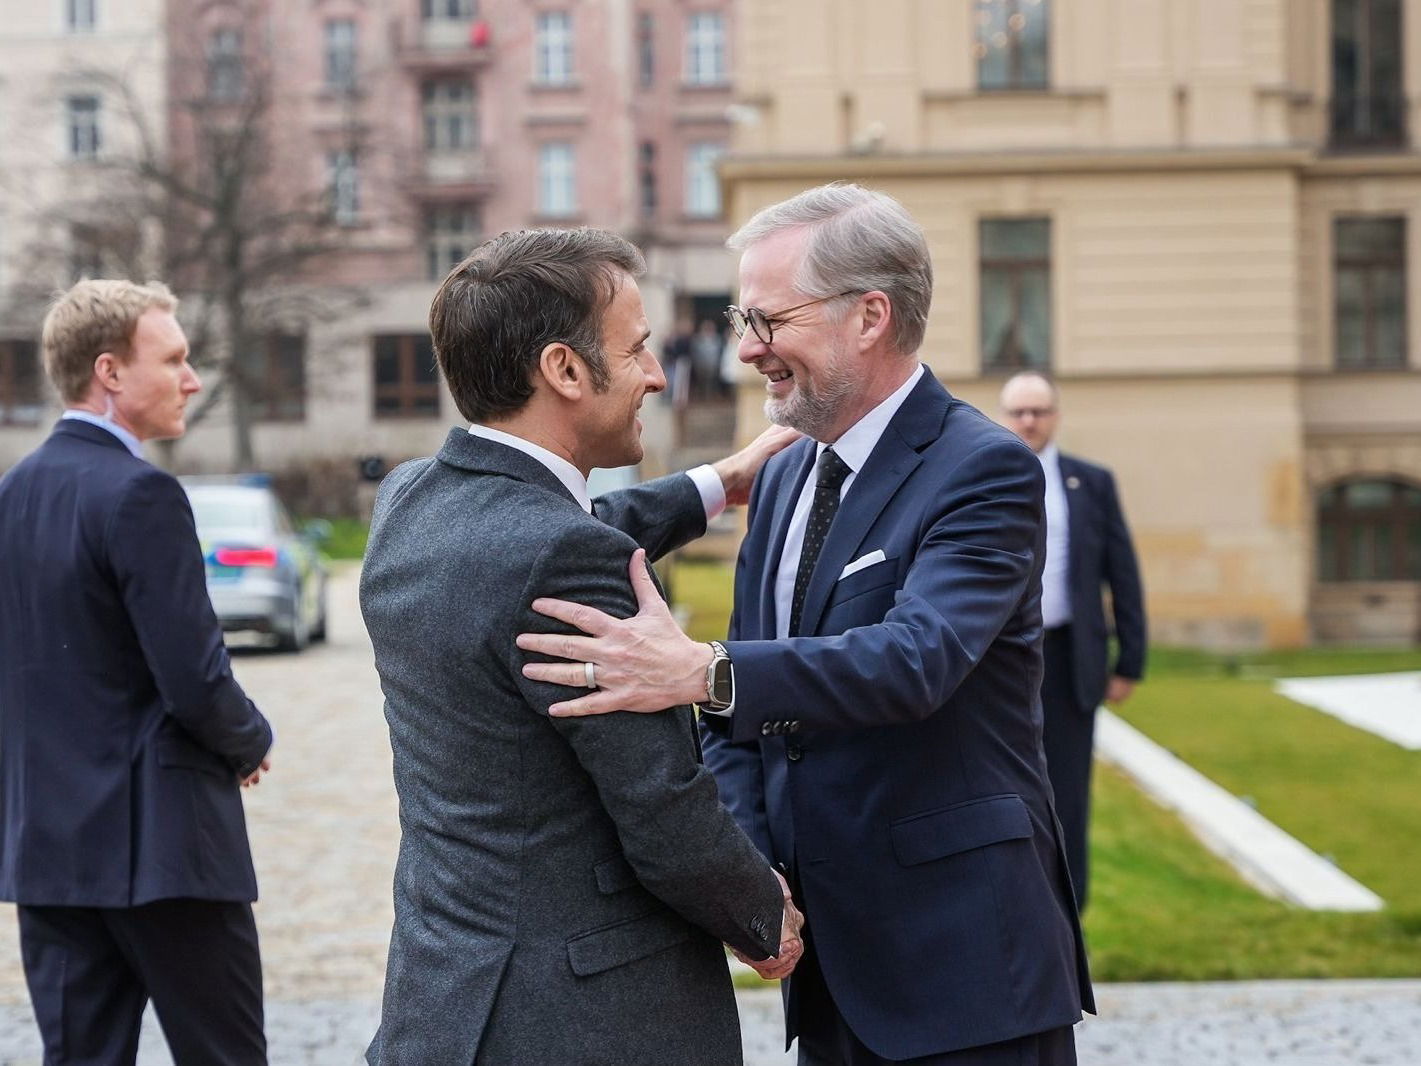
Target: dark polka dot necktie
[[830, 477]]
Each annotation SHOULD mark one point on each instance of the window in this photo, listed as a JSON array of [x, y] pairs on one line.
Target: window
[[451, 231], [705, 48], [224, 64], [1369, 531], [280, 379], [1011, 44], [340, 55], [85, 138], [1016, 293], [646, 178], [406, 378], [557, 179], [553, 48], [1369, 256], [343, 182], [450, 116], [21, 403], [1368, 101], [702, 182], [646, 49], [80, 15], [460, 10]]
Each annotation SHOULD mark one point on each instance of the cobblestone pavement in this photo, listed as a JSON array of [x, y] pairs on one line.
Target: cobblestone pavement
[[324, 831]]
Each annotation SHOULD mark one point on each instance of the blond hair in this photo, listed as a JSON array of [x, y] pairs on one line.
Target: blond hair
[[91, 318]]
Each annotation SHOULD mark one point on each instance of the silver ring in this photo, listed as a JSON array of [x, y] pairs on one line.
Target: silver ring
[[588, 672]]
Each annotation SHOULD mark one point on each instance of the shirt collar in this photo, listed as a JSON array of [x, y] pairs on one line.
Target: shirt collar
[[129, 441], [564, 471], [859, 440], [1050, 457]]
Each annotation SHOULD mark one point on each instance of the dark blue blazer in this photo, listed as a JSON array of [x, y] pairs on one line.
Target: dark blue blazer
[[1101, 555], [122, 731], [892, 755]]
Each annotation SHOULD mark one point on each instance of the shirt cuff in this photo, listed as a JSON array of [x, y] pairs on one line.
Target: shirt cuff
[[712, 492]]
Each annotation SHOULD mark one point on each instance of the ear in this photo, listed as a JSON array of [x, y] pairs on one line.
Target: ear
[[875, 316], [563, 371], [106, 366]]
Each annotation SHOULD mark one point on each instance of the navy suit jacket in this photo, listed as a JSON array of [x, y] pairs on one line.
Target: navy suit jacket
[[122, 730], [1101, 555], [892, 755]]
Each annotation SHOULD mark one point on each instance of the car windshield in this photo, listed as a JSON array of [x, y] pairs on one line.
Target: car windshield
[[225, 512]]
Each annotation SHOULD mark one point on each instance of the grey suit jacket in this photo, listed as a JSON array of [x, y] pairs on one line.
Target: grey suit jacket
[[562, 886]]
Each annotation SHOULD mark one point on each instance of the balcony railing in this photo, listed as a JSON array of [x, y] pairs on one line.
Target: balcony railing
[[455, 174], [445, 44], [1359, 122]]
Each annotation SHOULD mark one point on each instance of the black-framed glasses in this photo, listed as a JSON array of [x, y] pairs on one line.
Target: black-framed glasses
[[763, 322]]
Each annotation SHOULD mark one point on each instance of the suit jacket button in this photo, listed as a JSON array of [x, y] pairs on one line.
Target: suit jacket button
[[794, 753]]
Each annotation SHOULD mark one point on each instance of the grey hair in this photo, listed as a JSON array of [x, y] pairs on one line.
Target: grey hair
[[858, 239]]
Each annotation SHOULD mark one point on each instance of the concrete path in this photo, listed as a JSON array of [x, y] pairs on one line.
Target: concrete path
[[1388, 705], [1271, 860]]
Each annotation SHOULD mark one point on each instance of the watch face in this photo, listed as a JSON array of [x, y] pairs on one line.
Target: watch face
[[721, 691]]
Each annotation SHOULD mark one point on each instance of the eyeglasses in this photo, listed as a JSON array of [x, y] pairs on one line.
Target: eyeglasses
[[763, 323], [1018, 413]]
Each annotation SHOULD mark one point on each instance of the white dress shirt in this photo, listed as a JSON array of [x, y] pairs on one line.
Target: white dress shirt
[[706, 480], [853, 448], [128, 440], [1055, 577]]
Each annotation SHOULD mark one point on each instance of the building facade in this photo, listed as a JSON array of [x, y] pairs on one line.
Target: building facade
[[418, 128], [1203, 217]]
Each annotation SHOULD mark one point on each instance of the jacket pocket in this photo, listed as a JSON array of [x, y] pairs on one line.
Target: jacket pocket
[[921, 838], [173, 751], [625, 941], [614, 875]]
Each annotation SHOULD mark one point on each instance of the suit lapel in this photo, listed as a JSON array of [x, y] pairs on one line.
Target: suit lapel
[[917, 422], [1077, 503]]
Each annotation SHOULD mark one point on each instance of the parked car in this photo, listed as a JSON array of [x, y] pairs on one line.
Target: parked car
[[263, 573]]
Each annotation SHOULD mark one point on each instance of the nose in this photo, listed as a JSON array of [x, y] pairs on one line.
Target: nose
[[655, 376], [191, 383], [751, 347]]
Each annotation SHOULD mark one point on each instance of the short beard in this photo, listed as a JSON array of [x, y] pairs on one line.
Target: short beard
[[815, 411]]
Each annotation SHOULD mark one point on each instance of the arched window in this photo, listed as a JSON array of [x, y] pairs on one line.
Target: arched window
[[1369, 531]]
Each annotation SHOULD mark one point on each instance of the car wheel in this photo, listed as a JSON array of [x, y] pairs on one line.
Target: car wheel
[[318, 631], [295, 634]]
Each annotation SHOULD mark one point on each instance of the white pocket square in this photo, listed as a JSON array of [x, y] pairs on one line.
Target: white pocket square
[[875, 556]]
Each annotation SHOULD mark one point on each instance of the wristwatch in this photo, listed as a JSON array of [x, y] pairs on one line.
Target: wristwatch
[[720, 678]]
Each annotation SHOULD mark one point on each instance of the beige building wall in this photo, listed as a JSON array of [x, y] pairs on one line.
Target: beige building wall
[[1181, 155]]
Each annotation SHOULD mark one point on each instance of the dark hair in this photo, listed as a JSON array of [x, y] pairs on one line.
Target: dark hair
[[512, 297]]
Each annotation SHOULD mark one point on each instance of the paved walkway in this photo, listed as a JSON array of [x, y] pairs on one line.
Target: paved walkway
[[324, 829], [1388, 705]]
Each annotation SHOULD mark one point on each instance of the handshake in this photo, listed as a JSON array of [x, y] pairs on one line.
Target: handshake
[[780, 966]]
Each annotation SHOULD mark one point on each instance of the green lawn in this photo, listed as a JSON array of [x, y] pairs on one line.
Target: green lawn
[[1164, 908]]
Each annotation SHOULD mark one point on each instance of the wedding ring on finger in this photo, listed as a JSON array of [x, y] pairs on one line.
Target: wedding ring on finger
[[589, 674]]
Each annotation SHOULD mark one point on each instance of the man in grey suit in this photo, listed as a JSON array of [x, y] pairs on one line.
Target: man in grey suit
[[563, 885]]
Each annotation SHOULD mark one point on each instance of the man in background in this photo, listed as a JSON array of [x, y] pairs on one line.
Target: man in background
[[1087, 548], [123, 735]]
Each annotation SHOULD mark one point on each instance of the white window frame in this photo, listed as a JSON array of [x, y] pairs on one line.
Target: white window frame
[[557, 179], [81, 16], [83, 125], [341, 45], [705, 48], [450, 115], [702, 181], [552, 50], [343, 183], [451, 232]]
